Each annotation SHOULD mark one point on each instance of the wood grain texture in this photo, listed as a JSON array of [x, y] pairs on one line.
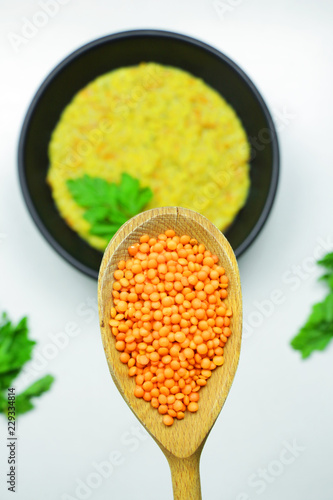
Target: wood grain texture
[[185, 438], [185, 475]]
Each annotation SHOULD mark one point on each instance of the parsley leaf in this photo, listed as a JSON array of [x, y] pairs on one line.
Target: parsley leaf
[[15, 350], [317, 332], [327, 261], [108, 205], [23, 401]]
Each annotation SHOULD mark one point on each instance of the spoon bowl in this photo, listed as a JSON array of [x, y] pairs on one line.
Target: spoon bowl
[[181, 443]]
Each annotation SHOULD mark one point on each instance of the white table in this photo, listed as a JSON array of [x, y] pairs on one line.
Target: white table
[[274, 437]]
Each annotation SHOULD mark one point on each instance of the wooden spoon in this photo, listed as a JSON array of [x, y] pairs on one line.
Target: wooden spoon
[[181, 443]]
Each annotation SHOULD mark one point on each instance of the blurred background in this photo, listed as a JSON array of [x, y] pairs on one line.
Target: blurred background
[[274, 436]]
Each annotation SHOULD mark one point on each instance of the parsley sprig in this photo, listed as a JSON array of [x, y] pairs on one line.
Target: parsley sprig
[[15, 350], [108, 205], [317, 332]]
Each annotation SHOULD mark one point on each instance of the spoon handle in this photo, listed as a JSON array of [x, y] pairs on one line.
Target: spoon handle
[[185, 477]]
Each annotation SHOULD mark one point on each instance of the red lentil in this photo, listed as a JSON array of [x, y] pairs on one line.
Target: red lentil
[[170, 320]]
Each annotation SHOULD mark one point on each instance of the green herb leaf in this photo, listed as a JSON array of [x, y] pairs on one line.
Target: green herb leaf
[[104, 230], [144, 197], [329, 280], [23, 401], [15, 350], [328, 306], [311, 339], [95, 214], [327, 261], [108, 205], [89, 191], [128, 193], [317, 332], [3, 404]]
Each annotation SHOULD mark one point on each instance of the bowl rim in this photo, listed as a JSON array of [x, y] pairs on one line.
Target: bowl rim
[[144, 33]]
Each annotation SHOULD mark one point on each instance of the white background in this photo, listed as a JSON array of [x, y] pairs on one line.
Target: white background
[[286, 48]]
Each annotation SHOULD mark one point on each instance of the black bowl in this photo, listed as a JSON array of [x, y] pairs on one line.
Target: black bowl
[[125, 49]]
